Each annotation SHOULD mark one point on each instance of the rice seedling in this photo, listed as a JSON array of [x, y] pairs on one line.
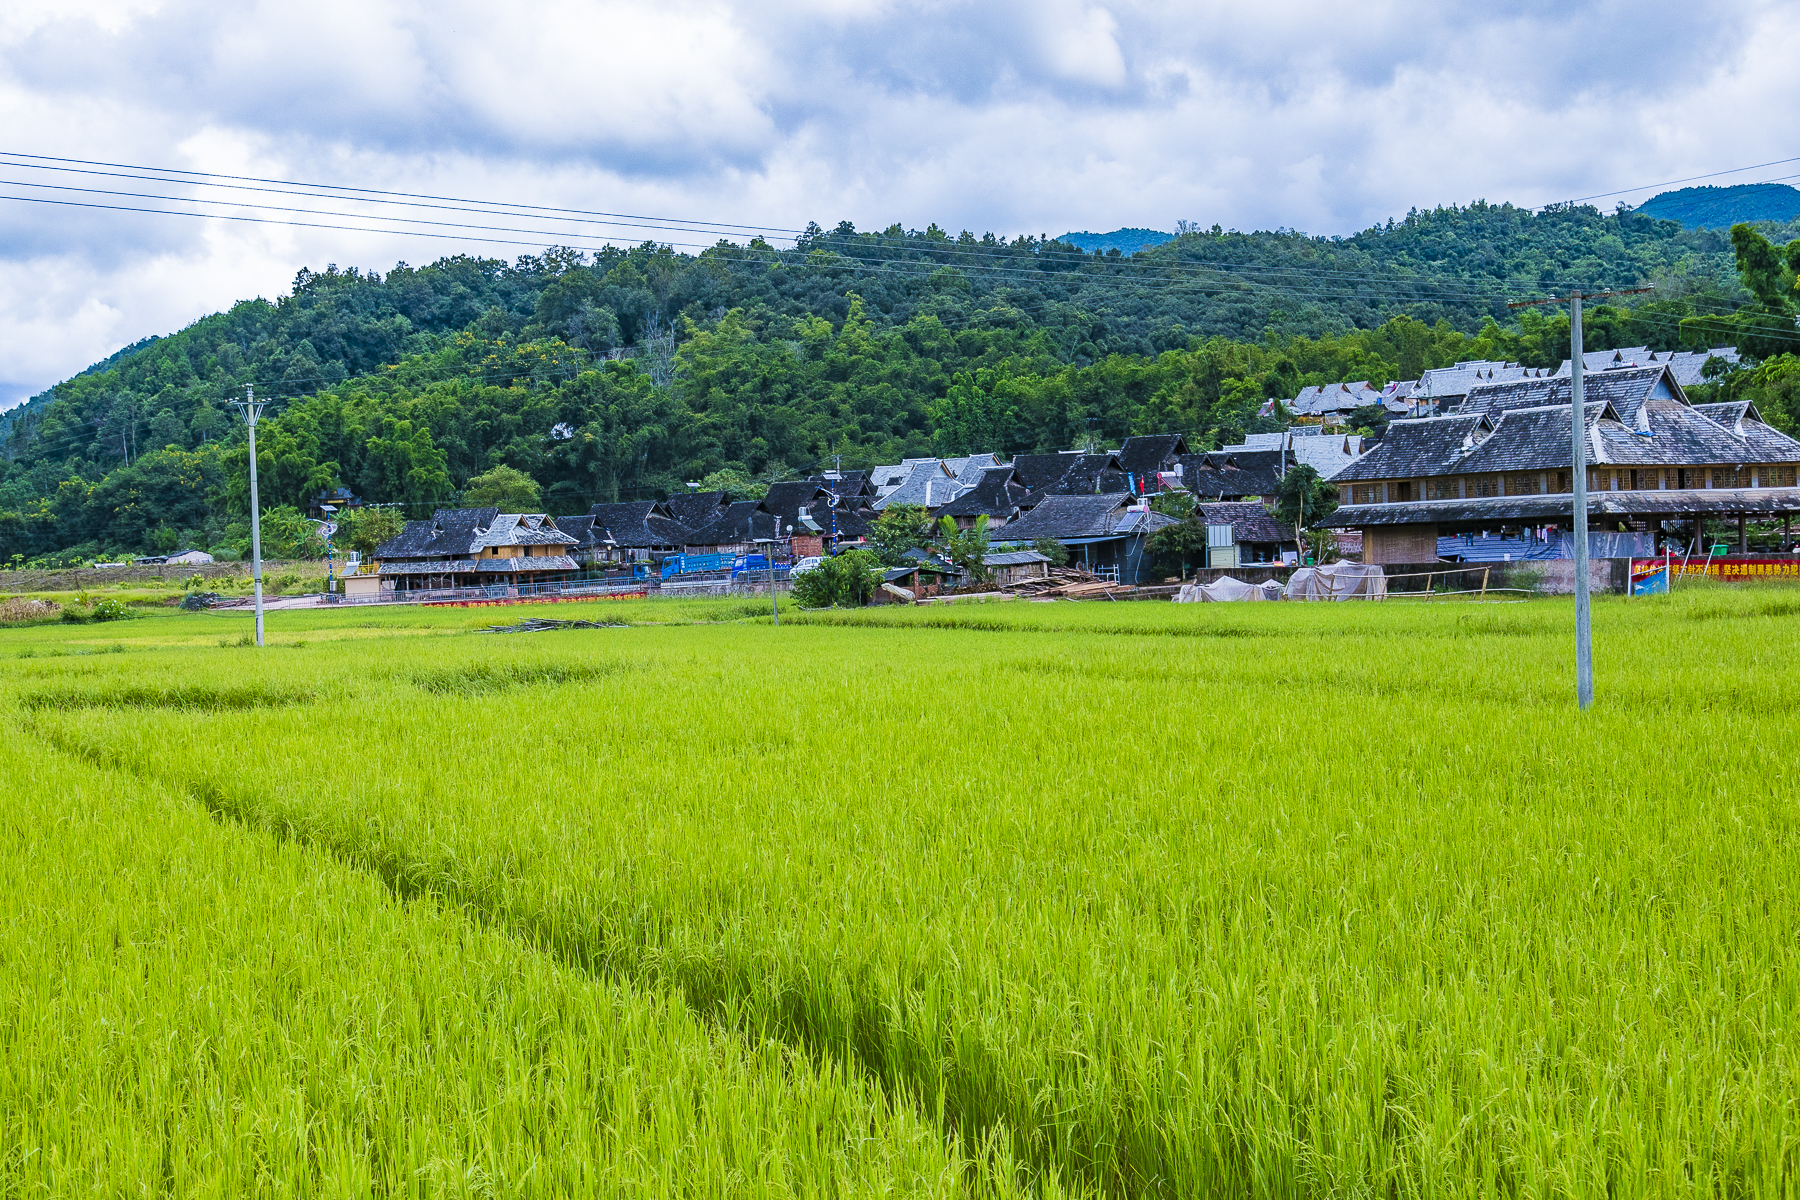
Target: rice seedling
[[1141, 899], [192, 1009]]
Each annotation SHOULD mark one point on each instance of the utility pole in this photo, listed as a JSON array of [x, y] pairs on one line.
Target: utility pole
[[1584, 649], [252, 408], [1584, 646]]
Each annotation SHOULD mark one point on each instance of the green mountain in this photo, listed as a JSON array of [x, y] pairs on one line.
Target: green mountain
[[1723, 207], [626, 373], [1125, 241]]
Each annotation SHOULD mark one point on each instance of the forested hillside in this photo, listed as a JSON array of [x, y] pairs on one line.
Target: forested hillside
[[1723, 207], [627, 373]]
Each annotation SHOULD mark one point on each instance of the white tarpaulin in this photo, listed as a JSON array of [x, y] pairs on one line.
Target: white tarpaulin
[[1227, 588], [1339, 581]]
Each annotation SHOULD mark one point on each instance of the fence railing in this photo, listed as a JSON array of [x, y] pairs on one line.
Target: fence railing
[[501, 591]]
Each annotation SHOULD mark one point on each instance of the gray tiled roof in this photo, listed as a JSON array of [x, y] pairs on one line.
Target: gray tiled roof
[[482, 566], [1442, 383], [1251, 522], [639, 524], [1013, 558], [1524, 439], [1041, 470], [696, 509], [1091, 473], [1217, 475], [457, 533], [1689, 367], [1728, 413], [508, 566], [450, 533], [744, 521], [1327, 455], [1555, 505], [1419, 446], [1334, 398], [890, 476], [523, 529], [969, 469], [580, 528], [1062, 517], [1145, 455], [995, 495], [929, 484], [1624, 388]]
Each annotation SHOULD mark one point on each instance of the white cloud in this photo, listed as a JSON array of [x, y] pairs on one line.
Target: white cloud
[[1015, 117]]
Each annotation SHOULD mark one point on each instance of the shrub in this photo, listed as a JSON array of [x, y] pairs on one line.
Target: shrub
[[111, 610], [844, 581]]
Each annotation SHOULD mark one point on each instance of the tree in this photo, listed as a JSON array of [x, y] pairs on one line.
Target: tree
[[1304, 499], [1175, 547], [900, 527], [1177, 504], [845, 580], [1371, 419], [505, 488], [363, 529], [1055, 551], [734, 483], [967, 548], [288, 534]]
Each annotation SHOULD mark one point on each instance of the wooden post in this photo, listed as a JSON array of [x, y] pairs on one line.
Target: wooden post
[[1484, 579], [1743, 535]]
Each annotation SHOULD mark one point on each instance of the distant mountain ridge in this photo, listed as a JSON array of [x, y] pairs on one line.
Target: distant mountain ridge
[[1125, 241], [1721, 207]]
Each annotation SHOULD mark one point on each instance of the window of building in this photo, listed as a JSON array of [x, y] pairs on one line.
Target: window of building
[[1405, 491]]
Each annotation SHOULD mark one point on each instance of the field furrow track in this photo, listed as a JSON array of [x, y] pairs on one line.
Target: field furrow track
[[1132, 899]]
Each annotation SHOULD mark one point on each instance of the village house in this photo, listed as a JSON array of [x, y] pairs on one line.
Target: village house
[[918, 579], [1104, 533], [738, 530], [472, 547], [998, 495], [1146, 458], [1039, 471], [813, 519], [1258, 534], [1007, 567], [1501, 463], [628, 531], [696, 510], [1237, 475]]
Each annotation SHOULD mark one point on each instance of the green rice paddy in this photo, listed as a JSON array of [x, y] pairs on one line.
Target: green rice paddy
[[1103, 899]]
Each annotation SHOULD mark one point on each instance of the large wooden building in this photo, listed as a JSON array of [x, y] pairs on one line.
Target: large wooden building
[[1502, 460], [474, 547]]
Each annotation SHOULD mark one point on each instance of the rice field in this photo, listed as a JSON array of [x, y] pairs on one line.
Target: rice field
[[1011, 899]]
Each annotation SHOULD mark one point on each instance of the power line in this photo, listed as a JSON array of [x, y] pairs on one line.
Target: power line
[[1672, 182], [376, 191]]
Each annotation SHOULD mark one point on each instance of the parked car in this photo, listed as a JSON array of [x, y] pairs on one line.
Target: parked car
[[803, 565]]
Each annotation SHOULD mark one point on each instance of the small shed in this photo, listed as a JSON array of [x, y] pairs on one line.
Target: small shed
[[1008, 567], [189, 558], [919, 580]]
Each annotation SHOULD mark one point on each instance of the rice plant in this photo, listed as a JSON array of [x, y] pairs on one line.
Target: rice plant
[[1133, 899]]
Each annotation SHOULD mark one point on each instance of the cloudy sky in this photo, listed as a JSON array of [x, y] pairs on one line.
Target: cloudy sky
[[1012, 117]]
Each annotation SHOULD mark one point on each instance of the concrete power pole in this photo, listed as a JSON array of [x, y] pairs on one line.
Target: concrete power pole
[[1584, 649], [252, 408], [1584, 646]]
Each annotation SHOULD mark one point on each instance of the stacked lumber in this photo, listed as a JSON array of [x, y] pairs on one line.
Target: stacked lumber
[[1067, 583]]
